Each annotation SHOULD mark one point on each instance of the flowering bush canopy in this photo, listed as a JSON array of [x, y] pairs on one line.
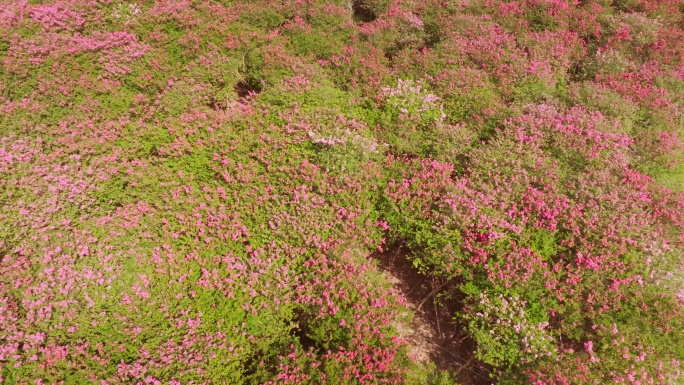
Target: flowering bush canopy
[[193, 192]]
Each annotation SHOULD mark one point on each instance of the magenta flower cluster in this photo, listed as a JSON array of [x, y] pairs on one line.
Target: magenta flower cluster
[[198, 192]]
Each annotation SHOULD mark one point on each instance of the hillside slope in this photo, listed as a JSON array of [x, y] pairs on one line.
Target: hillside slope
[[266, 192]]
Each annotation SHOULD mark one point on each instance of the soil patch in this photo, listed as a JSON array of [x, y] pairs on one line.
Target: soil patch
[[433, 335]]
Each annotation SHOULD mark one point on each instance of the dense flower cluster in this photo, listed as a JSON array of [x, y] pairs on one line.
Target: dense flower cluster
[[129, 13], [192, 192], [410, 99], [503, 327]]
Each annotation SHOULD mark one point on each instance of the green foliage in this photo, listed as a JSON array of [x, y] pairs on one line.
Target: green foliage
[[541, 19], [460, 108], [195, 191], [673, 178], [4, 46], [532, 90], [196, 164], [429, 374], [319, 46], [113, 193], [508, 332], [263, 18], [543, 243], [308, 97], [609, 103]]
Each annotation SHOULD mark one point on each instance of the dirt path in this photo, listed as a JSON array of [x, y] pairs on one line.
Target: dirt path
[[433, 335]]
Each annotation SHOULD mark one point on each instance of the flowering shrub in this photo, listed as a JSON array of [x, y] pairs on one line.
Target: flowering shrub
[[411, 102], [505, 335], [194, 192], [127, 13]]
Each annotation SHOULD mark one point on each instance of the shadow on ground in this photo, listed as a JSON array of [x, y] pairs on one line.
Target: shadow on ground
[[433, 335]]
